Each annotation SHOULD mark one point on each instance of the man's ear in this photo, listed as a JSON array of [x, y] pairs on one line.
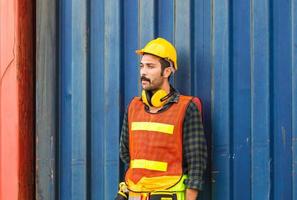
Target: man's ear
[[167, 72]]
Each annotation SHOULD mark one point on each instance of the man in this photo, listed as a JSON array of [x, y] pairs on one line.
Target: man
[[162, 138]]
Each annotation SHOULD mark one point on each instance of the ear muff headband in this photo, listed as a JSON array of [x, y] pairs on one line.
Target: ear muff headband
[[157, 100]]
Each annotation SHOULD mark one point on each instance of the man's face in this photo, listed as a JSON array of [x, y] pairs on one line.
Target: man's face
[[150, 73]]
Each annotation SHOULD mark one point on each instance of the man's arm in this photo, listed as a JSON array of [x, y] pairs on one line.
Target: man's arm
[[194, 151], [191, 194], [124, 141]]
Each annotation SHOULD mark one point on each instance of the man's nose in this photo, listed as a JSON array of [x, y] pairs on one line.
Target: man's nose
[[143, 71]]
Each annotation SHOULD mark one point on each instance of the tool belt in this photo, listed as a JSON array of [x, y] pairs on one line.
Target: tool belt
[[177, 192], [164, 196], [155, 196]]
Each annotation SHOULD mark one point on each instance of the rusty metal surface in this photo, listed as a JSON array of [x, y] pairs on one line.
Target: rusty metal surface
[[17, 100]]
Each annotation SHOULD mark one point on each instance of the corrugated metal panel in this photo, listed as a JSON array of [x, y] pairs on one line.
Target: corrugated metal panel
[[46, 99], [16, 99], [238, 56]]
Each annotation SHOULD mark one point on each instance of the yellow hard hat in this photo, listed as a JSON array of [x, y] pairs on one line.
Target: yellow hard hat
[[162, 48]]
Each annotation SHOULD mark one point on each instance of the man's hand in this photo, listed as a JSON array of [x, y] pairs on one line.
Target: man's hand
[[191, 194]]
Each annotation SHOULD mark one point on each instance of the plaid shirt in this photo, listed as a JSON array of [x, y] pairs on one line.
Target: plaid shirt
[[194, 143]]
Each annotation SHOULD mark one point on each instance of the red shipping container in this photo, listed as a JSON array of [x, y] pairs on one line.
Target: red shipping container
[[16, 100]]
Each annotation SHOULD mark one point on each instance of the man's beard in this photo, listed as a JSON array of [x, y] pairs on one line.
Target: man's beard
[[150, 88]]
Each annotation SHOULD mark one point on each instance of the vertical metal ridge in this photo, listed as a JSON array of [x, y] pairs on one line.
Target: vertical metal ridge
[[79, 112], [271, 100], [97, 62], [231, 96], [241, 91], [221, 100], [201, 72], [174, 21], [112, 96], [56, 147], [252, 91], [65, 99], [105, 101], [192, 52], [282, 104], [122, 54], [123, 95], [173, 38], [59, 100], [260, 100], [165, 19], [294, 98], [183, 45], [156, 18], [146, 21], [89, 104], [131, 43], [46, 96]]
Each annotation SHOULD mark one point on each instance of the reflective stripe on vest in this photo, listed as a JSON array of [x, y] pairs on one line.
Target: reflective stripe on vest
[[149, 164], [152, 126]]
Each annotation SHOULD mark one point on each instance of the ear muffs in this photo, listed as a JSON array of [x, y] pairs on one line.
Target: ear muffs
[[157, 100]]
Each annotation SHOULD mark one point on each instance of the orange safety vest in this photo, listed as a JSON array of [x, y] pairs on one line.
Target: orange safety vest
[[155, 143]]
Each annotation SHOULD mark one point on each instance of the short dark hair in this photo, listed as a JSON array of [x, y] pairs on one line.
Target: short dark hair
[[164, 64]]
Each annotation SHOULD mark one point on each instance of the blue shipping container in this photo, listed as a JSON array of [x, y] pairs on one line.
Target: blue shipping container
[[239, 56]]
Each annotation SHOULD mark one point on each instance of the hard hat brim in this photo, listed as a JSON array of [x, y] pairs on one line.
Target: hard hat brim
[[139, 51], [142, 52]]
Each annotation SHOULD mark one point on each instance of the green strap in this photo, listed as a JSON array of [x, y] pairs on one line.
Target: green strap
[[180, 186]]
